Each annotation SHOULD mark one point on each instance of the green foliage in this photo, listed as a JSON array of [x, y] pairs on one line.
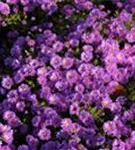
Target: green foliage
[[96, 62], [133, 16], [128, 25], [96, 113], [14, 19], [132, 96], [78, 16], [44, 103], [130, 86]]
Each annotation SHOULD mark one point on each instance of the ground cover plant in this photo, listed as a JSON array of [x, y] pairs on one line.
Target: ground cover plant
[[67, 75]]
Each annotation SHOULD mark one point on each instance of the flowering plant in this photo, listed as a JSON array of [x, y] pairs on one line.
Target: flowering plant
[[67, 74]]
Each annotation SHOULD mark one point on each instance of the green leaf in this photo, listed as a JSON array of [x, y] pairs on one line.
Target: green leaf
[[96, 62], [14, 19], [128, 25]]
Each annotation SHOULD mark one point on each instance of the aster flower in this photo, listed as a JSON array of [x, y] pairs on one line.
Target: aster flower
[[12, 96], [72, 76], [44, 134], [7, 82], [4, 8], [32, 142], [67, 75], [74, 109], [6, 134], [56, 61], [66, 124], [24, 89], [23, 147], [67, 62], [86, 56]]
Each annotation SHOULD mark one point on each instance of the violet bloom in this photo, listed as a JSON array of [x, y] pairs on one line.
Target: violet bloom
[[24, 89], [53, 99], [24, 2], [20, 106], [115, 128], [51, 145], [68, 10], [56, 61], [7, 82], [88, 48], [58, 46], [8, 115], [131, 36], [74, 109], [12, 119], [74, 42], [79, 88], [42, 80], [16, 51], [44, 134], [18, 77], [67, 62], [23, 147], [66, 124], [61, 85], [32, 142], [5, 147], [4, 8], [72, 76], [12, 1], [55, 76], [12, 96], [86, 118], [6, 134], [36, 121], [86, 56]]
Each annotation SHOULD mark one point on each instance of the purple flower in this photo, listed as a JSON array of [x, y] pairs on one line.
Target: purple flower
[[86, 118], [115, 128], [58, 46], [20, 106], [66, 124], [74, 109], [56, 61], [8, 115], [24, 89], [4, 8], [32, 142], [44, 134], [79, 88], [18, 77], [7, 82], [74, 42], [86, 56], [51, 145], [131, 36], [72, 76], [61, 85], [53, 99], [12, 119], [5, 147], [23, 147], [12, 1], [6, 134], [36, 121], [67, 62], [68, 10], [55, 76], [12, 96]]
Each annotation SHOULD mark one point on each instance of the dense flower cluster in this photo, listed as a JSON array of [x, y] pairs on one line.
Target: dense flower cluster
[[67, 75]]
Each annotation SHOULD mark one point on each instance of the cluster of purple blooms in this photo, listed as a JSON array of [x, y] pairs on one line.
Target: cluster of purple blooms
[[67, 75]]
